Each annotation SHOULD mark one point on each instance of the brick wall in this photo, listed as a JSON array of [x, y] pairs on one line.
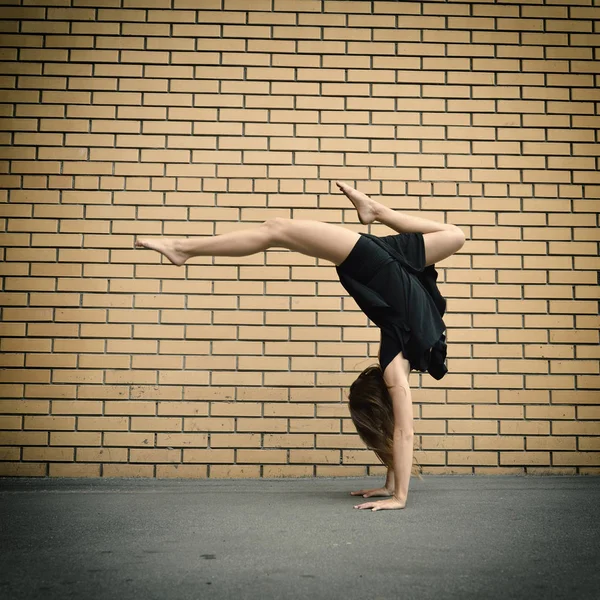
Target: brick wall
[[150, 117]]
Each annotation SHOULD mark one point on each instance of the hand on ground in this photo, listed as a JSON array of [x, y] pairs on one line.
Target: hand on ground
[[373, 493], [390, 504]]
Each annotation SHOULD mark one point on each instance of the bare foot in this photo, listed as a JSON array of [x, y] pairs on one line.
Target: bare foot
[[167, 247], [365, 206]]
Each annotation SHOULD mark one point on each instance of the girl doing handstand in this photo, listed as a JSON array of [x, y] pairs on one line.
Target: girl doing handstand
[[393, 280]]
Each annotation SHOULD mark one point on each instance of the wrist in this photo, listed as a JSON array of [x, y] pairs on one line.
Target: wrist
[[399, 494]]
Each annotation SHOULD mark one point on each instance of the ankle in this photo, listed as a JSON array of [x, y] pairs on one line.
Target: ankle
[[181, 245], [377, 209]]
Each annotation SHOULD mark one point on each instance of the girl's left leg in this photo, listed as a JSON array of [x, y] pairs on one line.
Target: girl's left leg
[[441, 239], [442, 244], [313, 238]]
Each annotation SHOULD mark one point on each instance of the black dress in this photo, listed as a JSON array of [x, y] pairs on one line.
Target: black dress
[[389, 281]]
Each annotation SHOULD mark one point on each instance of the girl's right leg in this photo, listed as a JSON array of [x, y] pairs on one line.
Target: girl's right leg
[[313, 238], [441, 239]]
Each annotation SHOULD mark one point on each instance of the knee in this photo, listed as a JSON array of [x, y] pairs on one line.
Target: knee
[[458, 237], [276, 228]]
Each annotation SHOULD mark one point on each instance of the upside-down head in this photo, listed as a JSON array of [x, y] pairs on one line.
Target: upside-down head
[[372, 413]]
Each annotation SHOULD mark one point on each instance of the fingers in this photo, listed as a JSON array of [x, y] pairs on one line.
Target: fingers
[[365, 505], [365, 493], [380, 505], [371, 493]]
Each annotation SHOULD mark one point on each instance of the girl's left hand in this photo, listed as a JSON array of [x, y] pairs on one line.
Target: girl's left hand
[[390, 504]]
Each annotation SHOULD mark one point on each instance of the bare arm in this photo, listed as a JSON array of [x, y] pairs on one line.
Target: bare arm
[[389, 481], [403, 440], [398, 478]]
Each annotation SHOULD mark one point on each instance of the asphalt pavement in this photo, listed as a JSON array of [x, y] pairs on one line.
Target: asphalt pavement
[[463, 537]]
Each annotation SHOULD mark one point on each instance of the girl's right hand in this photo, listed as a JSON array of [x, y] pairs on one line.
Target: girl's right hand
[[373, 493]]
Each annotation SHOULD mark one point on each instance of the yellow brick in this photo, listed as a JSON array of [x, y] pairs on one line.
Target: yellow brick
[[549, 351], [360, 457], [499, 443], [102, 455], [588, 412], [576, 458], [261, 456], [498, 412], [524, 458], [102, 423], [473, 365], [128, 439], [235, 409], [472, 396], [78, 407], [315, 456], [472, 426], [123, 470], [182, 408], [455, 442], [155, 455], [337, 441], [498, 350], [472, 458], [234, 471], [588, 352], [549, 382], [74, 470], [18, 469], [237, 440], [208, 455], [446, 411], [523, 366], [585, 443], [23, 438], [181, 471], [209, 424], [75, 438], [184, 440], [50, 423], [574, 366], [575, 428], [48, 454], [524, 428], [527, 336], [551, 443], [9, 422]]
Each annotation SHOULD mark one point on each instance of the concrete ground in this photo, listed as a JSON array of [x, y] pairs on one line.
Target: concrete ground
[[459, 537]]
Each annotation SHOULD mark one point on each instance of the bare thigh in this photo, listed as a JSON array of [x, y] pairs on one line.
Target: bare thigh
[[314, 238], [442, 244]]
